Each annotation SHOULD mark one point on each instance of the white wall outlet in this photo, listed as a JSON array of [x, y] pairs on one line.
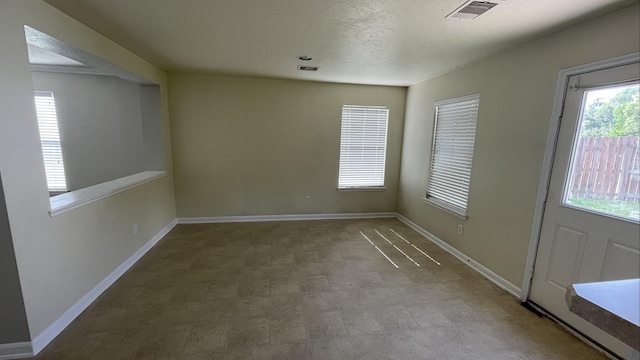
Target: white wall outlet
[[135, 228], [308, 199], [460, 229]]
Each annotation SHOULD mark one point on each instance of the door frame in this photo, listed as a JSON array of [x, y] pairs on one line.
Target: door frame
[[549, 154]]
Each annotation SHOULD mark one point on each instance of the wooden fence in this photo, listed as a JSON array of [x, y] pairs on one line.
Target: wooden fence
[[607, 168]]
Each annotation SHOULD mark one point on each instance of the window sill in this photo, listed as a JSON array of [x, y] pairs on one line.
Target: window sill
[[446, 208], [75, 199], [365, 188]]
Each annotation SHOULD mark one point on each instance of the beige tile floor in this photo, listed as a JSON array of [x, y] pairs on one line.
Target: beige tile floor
[[307, 290]]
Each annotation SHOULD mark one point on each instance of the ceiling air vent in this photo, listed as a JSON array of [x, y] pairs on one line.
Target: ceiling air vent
[[307, 68], [472, 10]]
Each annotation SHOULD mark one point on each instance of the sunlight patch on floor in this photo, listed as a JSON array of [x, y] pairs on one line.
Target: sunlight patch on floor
[[415, 247], [377, 248], [397, 248]]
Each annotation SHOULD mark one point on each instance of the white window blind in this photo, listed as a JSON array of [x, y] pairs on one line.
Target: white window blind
[[363, 146], [50, 140], [452, 153]]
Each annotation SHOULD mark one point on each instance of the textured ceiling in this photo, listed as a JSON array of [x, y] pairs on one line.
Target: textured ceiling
[[381, 42]]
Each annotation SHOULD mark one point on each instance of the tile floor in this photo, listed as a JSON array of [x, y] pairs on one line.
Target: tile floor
[[307, 290]]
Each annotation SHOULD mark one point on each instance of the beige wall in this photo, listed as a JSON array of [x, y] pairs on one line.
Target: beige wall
[[61, 258], [247, 146], [517, 89]]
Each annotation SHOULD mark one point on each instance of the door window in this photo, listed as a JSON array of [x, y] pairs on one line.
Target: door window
[[604, 174]]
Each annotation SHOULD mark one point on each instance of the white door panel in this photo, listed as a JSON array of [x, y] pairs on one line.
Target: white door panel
[[620, 262], [590, 230], [566, 256]]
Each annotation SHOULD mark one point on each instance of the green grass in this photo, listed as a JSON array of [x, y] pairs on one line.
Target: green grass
[[614, 207]]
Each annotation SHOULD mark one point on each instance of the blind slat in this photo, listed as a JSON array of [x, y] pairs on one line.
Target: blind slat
[[50, 140], [363, 146], [452, 151]]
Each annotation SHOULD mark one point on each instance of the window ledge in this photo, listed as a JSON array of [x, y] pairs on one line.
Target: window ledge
[[75, 199], [364, 188], [446, 207]]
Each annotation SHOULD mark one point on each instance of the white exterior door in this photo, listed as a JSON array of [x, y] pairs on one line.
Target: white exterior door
[[590, 229]]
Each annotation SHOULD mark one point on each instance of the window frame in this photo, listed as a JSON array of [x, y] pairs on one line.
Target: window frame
[[453, 202], [380, 146]]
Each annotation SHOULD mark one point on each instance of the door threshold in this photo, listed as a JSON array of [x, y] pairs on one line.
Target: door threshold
[[527, 305]]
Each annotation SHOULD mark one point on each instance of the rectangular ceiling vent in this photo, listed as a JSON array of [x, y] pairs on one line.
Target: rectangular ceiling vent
[[307, 68], [472, 10]]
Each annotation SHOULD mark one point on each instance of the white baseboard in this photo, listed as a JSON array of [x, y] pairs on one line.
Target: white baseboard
[[63, 321], [15, 350], [490, 275], [259, 218]]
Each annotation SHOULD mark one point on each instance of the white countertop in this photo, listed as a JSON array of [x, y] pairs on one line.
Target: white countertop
[[620, 298], [613, 306]]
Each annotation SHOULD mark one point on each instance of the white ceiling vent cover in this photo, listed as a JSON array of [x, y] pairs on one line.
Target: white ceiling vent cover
[[307, 68], [472, 10]]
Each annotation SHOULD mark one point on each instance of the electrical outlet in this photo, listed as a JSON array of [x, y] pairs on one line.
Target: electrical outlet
[[460, 229], [135, 228], [308, 199]]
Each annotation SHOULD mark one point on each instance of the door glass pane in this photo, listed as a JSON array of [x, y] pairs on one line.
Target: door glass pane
[[604, 174]]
